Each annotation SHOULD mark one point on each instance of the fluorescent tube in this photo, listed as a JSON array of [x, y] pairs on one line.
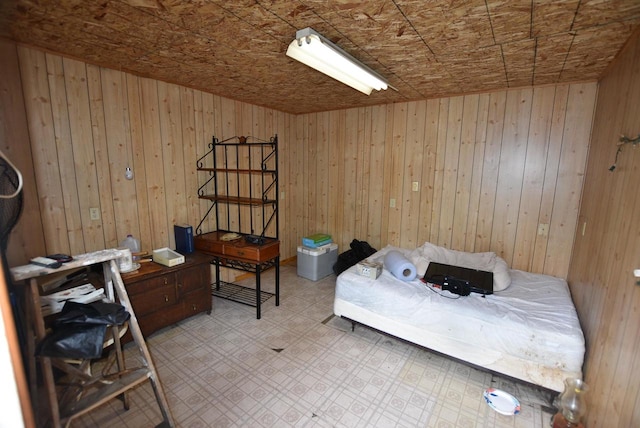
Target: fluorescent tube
[[311, 49]]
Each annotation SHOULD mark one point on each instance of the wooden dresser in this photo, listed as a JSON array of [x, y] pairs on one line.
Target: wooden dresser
[[162, 295]]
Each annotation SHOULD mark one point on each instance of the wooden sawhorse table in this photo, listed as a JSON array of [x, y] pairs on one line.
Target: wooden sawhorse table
[[125, 379]]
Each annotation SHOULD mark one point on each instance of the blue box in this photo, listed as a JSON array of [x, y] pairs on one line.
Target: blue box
[[184, 238], [312, 244], [316, 240]]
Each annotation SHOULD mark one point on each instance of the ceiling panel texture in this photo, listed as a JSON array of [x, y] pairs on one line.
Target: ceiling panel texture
[[425, 48]]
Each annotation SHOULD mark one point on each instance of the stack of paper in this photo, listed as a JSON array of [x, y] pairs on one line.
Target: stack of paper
[[53, 303]]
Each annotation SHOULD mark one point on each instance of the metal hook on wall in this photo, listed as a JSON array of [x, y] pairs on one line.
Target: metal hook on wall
[[624, 140]]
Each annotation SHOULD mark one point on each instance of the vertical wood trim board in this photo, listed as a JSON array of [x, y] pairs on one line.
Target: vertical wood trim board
[[27, 237], [40, 120]]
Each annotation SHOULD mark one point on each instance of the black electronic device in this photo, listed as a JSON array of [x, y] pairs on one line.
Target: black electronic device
[[62, 258], [459, 280], [456, 286], [254, 239]]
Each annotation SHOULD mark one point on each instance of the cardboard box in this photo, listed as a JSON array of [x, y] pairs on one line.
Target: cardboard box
[[167, 257], [369, 269]]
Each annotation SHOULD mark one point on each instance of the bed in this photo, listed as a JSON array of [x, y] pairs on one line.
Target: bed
[[528, 330]]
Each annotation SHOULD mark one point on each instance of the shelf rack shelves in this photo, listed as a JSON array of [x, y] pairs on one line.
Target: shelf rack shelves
[[242, 186], [243, 171]]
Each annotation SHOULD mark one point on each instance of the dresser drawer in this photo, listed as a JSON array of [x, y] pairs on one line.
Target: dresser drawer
[[196, 302], [212, 243], [160, 319], [154, 299], [250, 253], [150, 284], [194, 278], [208, 246], [253, 252]]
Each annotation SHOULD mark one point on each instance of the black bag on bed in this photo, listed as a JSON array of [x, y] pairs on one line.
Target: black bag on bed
[[360, 250]]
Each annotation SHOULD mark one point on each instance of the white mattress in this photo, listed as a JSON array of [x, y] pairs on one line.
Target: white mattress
[[529, 331]]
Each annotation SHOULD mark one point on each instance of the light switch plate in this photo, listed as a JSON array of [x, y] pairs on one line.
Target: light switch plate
[[94, 213]]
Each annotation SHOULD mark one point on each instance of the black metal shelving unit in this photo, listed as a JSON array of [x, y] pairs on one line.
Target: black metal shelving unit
[[235, 163], [243, 190]]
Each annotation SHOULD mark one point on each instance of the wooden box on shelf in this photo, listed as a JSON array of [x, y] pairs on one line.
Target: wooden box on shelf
[[237, 249]]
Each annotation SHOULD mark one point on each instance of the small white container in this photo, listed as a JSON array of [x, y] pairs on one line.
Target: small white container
[[168, 257]]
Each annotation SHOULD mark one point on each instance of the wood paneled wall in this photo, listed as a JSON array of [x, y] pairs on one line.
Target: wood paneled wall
[[27, 236], [85, 124], [601, 272], [489, 169]]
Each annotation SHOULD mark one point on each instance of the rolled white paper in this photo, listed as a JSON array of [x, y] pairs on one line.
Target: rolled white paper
[[399, 266]]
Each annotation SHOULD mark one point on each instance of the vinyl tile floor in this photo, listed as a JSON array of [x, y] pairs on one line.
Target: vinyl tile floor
[[300, 366]]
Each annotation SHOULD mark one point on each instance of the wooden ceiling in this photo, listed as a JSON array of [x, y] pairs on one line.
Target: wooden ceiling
[[425, 48]]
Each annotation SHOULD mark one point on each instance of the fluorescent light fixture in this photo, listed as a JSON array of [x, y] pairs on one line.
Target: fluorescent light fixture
[[317, 52]]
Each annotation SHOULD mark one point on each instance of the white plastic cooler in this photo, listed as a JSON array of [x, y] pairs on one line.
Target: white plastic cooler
[[317, 263]]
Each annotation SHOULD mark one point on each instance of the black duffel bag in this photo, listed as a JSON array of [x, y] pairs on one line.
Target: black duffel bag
[[360, 250]]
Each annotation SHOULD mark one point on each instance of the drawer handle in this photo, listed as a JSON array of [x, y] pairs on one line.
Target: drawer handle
[[165, 281], [241, 253], [195, 308], [179, 285], [166, 298]]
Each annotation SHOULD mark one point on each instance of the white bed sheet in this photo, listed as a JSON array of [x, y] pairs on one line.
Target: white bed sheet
[[529, 331]]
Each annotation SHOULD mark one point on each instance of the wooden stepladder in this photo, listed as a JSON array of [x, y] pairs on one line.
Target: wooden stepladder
[[98, 388]]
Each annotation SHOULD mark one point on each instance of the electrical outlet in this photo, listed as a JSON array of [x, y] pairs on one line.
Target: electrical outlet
[[392, 203], [94, 213], [281, 195], [415, 186]]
